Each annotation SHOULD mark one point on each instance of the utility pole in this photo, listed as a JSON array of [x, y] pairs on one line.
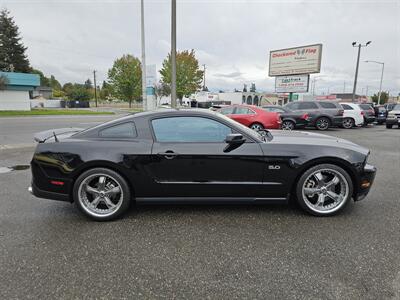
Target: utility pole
[[173, 53], [204, 77], [95, 86], [144, 92], [358, 63]]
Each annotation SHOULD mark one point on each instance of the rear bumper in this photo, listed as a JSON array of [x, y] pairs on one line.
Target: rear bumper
[[34, 190], [337, 121], [366, 181]]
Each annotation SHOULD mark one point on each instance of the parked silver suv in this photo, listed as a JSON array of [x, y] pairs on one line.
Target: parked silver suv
[[393, 117]]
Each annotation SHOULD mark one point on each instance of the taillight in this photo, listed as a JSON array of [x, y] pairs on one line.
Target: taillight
[[362, 113], [304, 117]]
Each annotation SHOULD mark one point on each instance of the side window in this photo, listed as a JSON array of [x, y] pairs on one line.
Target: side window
[[346, 107], [328, 105], [189, 129], [227, 110], [125, 130], [293, 106], [243, 111], [307, 105]]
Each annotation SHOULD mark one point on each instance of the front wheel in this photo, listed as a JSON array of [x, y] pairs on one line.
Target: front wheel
[[322, 123], [288, 125], [101, 194], [348, 123], [324, 190], [257, 127]]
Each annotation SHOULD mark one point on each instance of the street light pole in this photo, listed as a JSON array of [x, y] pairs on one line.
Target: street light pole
[[144, 92], [358, 63], [173, 54], [95, 86], [380, 86]]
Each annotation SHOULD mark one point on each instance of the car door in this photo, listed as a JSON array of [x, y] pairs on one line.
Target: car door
[[244, 115], [190, 159]]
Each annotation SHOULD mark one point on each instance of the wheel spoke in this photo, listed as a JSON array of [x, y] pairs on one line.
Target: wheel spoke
[[321, 200], [335, 197], [109, 203], [335, 180], [310, 191], [95, 202], [113, 191], [91, 190]]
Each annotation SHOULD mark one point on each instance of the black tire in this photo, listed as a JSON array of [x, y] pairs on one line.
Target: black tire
[[257, 126], [300, 196], [124, 199], [348, 123], [322, 123], [389, 126], [288, 125]]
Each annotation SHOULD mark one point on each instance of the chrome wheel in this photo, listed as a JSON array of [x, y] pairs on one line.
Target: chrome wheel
[[348, 123], [325, 191], [322, 124], [257, 127], [100, 195], [287, 125]]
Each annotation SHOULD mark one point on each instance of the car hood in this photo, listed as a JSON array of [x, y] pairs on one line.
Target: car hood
[[394, 112], [313, 139]]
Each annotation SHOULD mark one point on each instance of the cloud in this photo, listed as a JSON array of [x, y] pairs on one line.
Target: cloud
[[233, 38]]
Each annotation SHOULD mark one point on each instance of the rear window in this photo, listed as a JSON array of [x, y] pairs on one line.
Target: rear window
[[328, 105], [382, 109], [365, 106], [227, 110], [125, 130], [243, 111], [346, 107]]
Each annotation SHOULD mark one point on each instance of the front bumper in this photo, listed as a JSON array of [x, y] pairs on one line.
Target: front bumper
[[392, 121], [366, 181]]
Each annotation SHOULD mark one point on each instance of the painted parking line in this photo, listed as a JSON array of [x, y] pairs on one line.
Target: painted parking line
[[17, 146]]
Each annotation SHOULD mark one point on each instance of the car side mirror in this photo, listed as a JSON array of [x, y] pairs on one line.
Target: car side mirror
[[235, 139]]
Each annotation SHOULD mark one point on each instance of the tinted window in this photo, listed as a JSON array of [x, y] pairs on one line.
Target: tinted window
[[274, 109], [125, 130], [365, 106], [227, 110], [327, 105], [243, 111], [189, 129], [381, 109], [292, 106], [346, 107], [396, 107], [307, 105]]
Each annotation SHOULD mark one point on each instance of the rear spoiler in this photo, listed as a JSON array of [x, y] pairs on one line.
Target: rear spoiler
[[55, 134]]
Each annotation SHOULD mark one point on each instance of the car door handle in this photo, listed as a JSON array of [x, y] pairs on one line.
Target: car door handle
[[169, 154]]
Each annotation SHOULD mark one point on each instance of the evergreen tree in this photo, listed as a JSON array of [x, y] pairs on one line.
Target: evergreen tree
[[12, 50]]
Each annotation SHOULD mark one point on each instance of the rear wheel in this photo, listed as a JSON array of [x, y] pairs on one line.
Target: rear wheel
[[257, 126], [322, 123], [348, 123], [101, 194], [324, 190], [288, 125]]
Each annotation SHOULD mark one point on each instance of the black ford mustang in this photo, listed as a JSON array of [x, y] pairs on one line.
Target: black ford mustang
[[195, 156]]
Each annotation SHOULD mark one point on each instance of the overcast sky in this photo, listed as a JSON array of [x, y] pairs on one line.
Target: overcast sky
[[233, 38]]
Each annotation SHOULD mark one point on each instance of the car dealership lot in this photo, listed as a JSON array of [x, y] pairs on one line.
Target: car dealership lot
[[49, 250]]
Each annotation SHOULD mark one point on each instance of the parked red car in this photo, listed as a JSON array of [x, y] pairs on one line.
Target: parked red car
[[252, 116]]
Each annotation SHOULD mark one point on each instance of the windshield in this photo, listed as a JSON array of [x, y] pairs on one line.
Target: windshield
[[254, 134], [396, 107]]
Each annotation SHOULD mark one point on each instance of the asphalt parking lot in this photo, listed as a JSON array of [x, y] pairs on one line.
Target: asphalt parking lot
[[49, 250]]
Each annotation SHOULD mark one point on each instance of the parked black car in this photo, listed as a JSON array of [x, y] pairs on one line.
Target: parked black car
[[380, 114], [290, 119], [196, 156], [368, 113], [323, 114]]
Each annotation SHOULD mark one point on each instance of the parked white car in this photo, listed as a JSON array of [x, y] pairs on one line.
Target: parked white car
[[352, 116]]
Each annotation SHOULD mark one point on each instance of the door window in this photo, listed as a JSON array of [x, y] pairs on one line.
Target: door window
[[327, 105], [346, 107], [307, 105], [189, 130]]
